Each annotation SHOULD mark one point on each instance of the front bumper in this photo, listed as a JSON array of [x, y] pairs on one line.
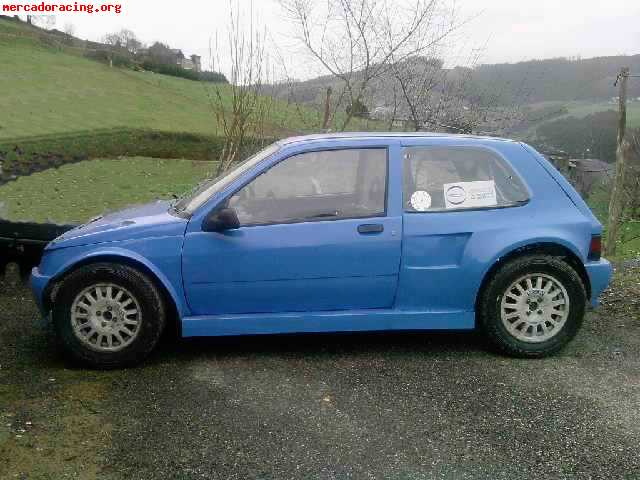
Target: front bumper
[[599, 276], [39, 285]]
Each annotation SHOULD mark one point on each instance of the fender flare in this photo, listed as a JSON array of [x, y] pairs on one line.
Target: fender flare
[[531, 244], [131, 258]]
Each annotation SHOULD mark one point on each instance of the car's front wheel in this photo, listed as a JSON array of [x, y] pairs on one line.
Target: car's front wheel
[[532, 306], [108, 315]]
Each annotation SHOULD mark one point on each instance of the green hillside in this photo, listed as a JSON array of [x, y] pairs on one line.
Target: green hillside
[[60, 108], [76, 192], [52, 89], [556, 79]]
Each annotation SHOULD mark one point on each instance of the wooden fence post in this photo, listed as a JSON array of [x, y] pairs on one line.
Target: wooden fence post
[[327, 109]]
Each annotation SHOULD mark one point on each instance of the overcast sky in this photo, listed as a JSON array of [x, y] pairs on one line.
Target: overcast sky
[[509, 30]]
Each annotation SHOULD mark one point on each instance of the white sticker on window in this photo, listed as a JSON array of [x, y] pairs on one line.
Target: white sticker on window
[[470, 194], [420, 201]]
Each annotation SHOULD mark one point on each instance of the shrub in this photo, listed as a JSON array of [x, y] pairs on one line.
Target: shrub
[[103, 56], [166, 69], [357, 109], [213, 77], [176, 71], [596, 132]]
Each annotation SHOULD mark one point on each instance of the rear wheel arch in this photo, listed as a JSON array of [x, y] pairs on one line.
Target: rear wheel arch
[[170, 302], [542, 248]]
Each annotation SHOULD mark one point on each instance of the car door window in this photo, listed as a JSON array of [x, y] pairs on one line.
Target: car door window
[[451, 178], [322, 185]]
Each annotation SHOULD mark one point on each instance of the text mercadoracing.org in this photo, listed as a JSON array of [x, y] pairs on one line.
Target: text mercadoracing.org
[[40, 7]]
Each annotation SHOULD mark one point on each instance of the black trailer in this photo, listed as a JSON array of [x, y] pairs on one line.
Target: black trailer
[[23, 242]]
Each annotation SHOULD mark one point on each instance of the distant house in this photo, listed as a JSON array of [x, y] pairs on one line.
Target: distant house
[[381, 113], [188, 63], [585, 173], [194, 61]]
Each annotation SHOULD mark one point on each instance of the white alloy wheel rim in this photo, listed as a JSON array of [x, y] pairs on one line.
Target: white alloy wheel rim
[[534, 308], [105, 317]]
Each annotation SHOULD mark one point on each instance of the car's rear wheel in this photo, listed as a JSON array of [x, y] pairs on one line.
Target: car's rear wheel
[[533, 306], [108, 315]]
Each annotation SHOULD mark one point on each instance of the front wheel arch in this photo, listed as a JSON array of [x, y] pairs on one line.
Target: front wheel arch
[[168, 297]]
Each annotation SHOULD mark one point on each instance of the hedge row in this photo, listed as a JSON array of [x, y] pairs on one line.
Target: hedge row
[[126, 60], [33, 154], [176, 71]]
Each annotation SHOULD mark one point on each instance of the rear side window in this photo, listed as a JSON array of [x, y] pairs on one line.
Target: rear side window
[[454, 178]]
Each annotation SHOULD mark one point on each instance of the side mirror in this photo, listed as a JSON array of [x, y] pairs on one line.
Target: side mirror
[[221, 220]]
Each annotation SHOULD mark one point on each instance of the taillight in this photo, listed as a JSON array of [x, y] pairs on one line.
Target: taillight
[[595, 248]]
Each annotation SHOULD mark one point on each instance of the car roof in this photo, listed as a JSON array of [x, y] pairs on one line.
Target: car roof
[[383, 135]]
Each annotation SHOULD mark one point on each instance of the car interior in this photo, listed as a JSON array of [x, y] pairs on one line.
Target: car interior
[[323, 185]]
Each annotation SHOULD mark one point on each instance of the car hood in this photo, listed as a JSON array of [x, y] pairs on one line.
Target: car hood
[[143, 221]]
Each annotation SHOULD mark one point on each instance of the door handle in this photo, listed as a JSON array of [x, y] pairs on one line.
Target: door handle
[[370, 228]]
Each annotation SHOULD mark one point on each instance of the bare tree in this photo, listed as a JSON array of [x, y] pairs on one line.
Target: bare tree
[[124, 41], [69, 29], [129, 41], [42, 21], [307, 119], [416, 80], [436, 98], [358, 41], [393, 111], [241, 108], [113, 42]]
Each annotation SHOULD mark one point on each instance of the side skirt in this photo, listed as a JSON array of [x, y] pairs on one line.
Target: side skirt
[[331, 321]]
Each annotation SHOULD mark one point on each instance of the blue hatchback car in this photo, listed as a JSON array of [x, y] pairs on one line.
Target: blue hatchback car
[[336, 233]]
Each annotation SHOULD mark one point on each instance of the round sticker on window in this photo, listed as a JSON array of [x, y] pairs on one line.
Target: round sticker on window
[[420, 201], [455, 195]]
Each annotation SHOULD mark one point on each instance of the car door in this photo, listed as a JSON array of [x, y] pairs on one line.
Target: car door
[[315, 234]]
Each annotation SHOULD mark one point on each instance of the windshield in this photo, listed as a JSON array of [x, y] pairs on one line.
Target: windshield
[[193, 199]]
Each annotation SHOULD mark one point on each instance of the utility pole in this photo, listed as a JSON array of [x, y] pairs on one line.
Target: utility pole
[[623, 148]]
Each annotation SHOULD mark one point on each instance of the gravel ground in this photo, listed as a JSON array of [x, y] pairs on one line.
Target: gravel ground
[[406, 406]]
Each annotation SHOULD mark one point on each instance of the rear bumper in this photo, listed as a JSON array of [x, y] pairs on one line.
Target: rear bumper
[[599, 276], [39, 285]]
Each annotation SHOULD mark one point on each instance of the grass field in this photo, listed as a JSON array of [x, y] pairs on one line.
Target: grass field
[[52, 90], [76, 192], [629, 242], [581, 109]]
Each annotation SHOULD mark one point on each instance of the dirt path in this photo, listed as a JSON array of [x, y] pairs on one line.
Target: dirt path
[[408, 406]]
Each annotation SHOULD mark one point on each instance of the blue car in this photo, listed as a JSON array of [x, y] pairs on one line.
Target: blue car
[[337, 233]]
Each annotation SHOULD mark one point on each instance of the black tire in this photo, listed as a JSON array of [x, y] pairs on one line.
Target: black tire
[[491, 297], [152, 314]]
